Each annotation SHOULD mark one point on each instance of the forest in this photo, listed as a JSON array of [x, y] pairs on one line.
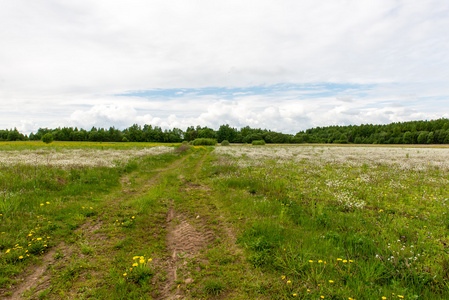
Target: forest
[[412, 132]]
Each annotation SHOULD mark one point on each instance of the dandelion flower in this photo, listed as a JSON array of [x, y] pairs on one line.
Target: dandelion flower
[[320, 261], [345, 261], [150, 259], [384, 298], [339, 259], [124, 274], [20, 257], [289, 282], [135, 264], [47, 202], [142, 261], [294, 295], [283, 277], [400, 296], [331, 281], [42, 204], [310, 261]]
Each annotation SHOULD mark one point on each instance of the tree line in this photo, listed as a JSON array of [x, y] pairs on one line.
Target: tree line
[[413, 132]]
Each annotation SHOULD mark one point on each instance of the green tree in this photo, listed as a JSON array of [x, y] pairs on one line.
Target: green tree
[[47, 138], [226, 132], [408, 138]]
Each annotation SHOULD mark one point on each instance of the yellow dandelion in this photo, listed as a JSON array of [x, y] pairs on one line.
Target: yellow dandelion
[[132, 217], [135, 264], [283, 277], [384, 298], [38, 239], [289, 282], [20, 257], [142, 261], [150, 259], [345, 261], [320, 261], [7, 251], [124, 274], [322, 297], [331, 281], [42, 204], [400, 296], [136, 257], [351, 261], [294, 295], [47, 202], [310, 261]]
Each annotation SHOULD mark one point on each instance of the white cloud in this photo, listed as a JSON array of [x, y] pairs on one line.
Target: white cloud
[[62, 62]]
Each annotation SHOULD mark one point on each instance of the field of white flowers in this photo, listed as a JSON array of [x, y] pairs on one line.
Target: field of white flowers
[[377, 215], [72, 158], [398, 157]]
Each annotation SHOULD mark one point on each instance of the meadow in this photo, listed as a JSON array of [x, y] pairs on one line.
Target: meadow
[[154, 221]]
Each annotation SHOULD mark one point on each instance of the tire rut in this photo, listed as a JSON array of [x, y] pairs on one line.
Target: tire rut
[[38, 277]]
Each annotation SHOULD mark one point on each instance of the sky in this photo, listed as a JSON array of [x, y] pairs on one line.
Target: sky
[[280, 65]]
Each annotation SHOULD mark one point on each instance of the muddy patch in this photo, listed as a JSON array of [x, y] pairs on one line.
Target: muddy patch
[[185, 239], [35, 276], [92, 231]]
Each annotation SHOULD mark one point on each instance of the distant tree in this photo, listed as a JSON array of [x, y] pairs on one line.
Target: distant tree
[[14, 135], [422, 137], [226, 132], [408, 138], [431, 138], [47, 138]]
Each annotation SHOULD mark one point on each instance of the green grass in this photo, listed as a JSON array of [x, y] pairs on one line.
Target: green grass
[[331, 234], [273, 228]]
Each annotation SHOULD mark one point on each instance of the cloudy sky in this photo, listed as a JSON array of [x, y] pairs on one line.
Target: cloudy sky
[[281, 65]]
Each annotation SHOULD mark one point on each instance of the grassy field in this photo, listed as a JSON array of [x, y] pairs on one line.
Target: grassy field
[[151, 221]]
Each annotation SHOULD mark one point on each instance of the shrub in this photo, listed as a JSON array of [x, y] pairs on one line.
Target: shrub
[[183, 148], [225, 143], [258, 143], [47, 138], [204, 142]]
